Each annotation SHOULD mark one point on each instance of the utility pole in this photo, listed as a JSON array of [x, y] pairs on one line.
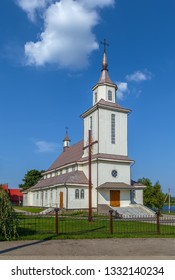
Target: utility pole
[[169, 199], [89, 146]]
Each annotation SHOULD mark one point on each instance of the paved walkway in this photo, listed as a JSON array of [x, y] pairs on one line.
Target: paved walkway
[[116, 248]]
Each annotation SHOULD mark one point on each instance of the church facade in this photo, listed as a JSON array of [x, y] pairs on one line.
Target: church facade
[[65, 184]]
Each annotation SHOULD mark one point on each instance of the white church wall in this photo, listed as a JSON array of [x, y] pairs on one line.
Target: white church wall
[[77, 203], [101, 92], [104, 197], [94, 131], [138, 196], [125, 198], [94, 175], [105, 169], [105, 145], [27, 199]]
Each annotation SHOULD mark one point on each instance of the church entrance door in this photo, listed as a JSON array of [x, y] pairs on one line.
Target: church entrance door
[[61, 200], [115, 198]]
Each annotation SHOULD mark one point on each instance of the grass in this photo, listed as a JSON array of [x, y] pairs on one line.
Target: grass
[[40, 228], [29, 209]]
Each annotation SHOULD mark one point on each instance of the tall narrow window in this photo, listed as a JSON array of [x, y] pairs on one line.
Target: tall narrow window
[[82, 194], [110, 95], [77, 194], [51, 195], [113, 128], [95, 97]]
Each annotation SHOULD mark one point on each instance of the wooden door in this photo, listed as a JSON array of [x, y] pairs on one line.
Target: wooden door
[[61, 200], [115, 198]]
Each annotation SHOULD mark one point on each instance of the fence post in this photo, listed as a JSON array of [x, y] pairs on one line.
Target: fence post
[[56, 220], [110, 222], [158, 221]]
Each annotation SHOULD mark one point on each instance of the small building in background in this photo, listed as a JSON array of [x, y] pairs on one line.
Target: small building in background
[[16, 196]]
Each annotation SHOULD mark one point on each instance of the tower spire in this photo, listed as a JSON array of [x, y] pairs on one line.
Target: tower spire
[[104, 78], [104, 61], [105, 89], [66, 141]]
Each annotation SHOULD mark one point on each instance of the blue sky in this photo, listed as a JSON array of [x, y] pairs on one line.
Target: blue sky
[[50, 58]]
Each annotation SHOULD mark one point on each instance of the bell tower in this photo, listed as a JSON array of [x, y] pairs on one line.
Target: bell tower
[[66, 142], [106, 119]]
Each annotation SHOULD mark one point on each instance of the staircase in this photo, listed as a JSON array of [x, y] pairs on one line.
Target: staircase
[[133, 210], [47, 211]]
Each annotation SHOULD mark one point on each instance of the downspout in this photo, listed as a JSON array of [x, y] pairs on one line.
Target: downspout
[[97, 158], [67, 198], [97, 185]]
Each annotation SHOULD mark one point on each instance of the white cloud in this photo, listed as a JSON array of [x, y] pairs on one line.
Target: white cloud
[[96, 3], [44, 146], [30, 6], [67, 38], [139, 76], [122, 90]]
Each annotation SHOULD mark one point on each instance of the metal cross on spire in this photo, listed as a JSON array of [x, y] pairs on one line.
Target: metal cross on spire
[[105, 44]]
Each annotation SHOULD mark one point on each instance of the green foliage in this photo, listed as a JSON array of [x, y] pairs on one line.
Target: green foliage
[[152, 195], [31, 178], [8, 220]]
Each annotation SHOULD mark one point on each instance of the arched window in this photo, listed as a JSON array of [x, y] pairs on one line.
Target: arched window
[[77, 194], [82, 194]]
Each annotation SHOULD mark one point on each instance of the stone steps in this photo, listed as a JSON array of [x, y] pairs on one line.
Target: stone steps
[[133, 210]]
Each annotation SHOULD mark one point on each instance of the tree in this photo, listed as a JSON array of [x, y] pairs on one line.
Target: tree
[[153, 197], [31, 178], [8, 219]]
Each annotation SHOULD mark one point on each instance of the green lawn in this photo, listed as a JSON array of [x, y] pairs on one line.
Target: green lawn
[[32, 227], [29, 209]]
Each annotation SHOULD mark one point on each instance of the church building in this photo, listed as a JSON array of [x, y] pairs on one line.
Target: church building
[[65, 184]]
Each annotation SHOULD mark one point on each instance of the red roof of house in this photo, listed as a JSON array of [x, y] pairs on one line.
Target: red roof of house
[[15, 192]]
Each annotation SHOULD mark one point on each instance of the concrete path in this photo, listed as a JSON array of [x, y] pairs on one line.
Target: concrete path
[[116, 248]]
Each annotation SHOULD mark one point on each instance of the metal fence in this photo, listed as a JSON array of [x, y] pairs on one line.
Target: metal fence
[[34, 225]]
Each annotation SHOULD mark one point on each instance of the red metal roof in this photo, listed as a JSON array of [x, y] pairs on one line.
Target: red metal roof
[[16, 192]]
